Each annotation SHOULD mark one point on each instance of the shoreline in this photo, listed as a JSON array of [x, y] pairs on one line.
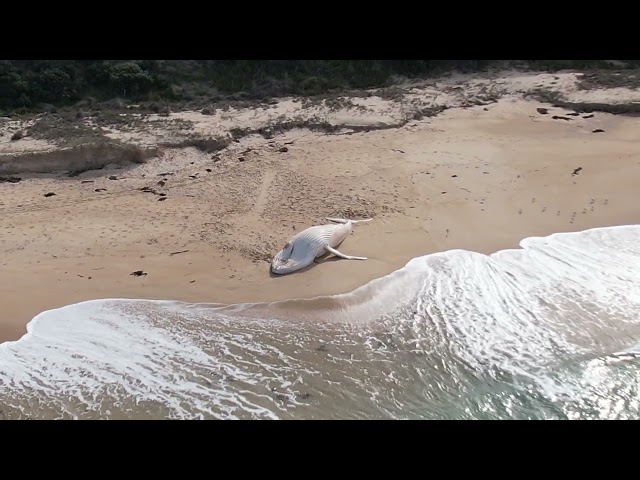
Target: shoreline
[[327, 301], [507, 173]]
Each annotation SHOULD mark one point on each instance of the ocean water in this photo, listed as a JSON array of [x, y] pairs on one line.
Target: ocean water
[[547, 331]]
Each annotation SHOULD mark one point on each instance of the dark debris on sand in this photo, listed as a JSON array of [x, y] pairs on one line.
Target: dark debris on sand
[[17, 136]]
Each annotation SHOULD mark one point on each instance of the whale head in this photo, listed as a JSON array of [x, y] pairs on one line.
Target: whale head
[[286, 262]]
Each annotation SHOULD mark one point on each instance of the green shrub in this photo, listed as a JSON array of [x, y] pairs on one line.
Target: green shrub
[[55, 85], [130, 80]]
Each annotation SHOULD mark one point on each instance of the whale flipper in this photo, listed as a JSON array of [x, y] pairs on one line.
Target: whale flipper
[[342, 255]]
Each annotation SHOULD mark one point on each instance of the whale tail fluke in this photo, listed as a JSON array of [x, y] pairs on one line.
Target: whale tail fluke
[[346, 220]]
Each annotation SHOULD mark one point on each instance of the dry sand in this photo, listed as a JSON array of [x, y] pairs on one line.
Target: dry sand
[[480, 178]]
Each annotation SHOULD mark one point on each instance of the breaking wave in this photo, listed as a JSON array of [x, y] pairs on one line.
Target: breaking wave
[[550, 330]]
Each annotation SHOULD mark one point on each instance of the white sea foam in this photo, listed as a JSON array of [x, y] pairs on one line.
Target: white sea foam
[[543, 331]]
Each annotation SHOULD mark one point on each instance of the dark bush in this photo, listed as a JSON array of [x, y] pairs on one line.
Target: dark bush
[[130, 80], [55, 85], [14, 90]]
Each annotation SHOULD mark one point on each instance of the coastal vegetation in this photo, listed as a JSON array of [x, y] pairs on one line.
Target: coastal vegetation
[[28, 86]]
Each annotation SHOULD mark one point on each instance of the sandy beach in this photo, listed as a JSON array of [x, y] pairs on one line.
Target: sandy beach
[[476, 177]]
